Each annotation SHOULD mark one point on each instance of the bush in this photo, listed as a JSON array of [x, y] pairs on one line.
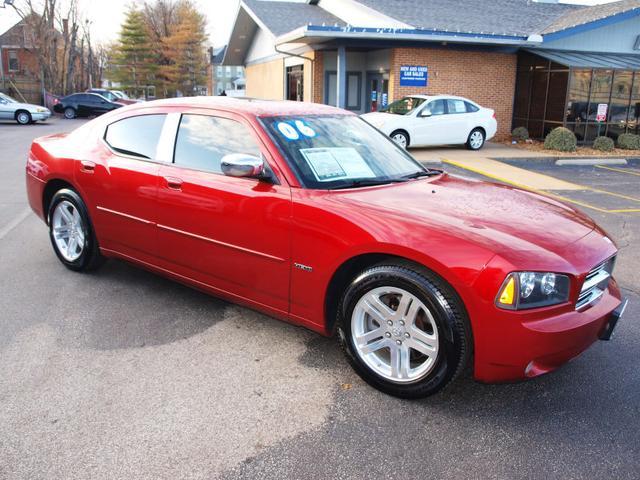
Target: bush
[[629, 141], [561, 139], [520, 134], [604, 144]]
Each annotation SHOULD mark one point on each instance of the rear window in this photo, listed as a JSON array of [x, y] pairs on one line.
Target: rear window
[[137, 136], [471, 107]]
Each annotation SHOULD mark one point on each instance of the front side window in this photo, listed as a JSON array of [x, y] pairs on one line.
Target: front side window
[[7, 99], [456, 106], [137, 136], [404, 106], [203, 141], [436, 107], [339, 151]]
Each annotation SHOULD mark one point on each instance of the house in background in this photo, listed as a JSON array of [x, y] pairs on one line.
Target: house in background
[[228, 78], [19, 72], [538, 64]]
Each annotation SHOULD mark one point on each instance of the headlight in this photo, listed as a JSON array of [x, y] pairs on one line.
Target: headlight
[[41, 110], [522, 290]]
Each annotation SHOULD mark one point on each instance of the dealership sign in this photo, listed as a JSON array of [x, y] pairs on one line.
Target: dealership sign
[[413, 76]]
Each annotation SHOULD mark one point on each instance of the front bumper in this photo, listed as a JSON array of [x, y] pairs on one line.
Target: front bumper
[[532, 345], [40, 116]]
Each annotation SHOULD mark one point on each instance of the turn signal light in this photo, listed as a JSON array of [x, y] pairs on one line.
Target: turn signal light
[[508, 292]]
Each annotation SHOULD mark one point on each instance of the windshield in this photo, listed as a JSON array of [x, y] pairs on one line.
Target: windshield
[[404, 106], [7, 98], [340, 151]]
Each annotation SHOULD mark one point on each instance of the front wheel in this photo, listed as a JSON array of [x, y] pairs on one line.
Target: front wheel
[[23, 118], [475, 141], [404, 331], [71, 232], [401, 138]]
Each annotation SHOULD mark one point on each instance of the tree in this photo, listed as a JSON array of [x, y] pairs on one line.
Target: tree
[[185, 48], [134, 61]]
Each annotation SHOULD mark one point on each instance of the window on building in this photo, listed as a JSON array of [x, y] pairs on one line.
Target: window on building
[[295, 83], [354, 91], [219, 71], [228, 70], [137, 136], [228, 86], [634, 108], [203, 140], [14, 65], [239, 72]]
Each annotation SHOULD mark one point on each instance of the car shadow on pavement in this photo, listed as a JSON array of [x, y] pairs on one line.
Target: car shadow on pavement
[[122, 306]]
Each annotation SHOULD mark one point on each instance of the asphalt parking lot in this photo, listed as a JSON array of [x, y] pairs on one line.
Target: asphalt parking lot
[[123, 374]]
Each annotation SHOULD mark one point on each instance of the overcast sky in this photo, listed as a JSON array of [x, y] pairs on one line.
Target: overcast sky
[[107, 16]]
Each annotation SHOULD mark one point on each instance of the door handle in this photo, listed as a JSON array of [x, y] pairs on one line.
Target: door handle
[[87, 166], [173, 183]]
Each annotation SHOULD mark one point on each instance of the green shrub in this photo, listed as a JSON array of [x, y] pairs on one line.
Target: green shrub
[[604, 144], [629, 141], [561, 139], [520, 134]]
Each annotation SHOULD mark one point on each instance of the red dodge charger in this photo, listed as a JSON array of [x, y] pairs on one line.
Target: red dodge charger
[[307, 213]]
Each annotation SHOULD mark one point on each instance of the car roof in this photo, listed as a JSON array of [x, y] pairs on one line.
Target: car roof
[[433, 97], [250, 106]]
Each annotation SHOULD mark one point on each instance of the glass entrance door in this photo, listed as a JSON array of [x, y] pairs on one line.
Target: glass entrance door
[[377, 91]]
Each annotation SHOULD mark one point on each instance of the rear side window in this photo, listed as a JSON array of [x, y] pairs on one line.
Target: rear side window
[[203, 141], [137, 136], [456, 106], [471, 108]]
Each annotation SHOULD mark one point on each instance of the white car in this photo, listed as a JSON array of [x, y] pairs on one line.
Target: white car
[[425, 120], [23, 113]]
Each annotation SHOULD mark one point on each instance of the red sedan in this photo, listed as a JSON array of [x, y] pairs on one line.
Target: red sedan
[[308, 214]]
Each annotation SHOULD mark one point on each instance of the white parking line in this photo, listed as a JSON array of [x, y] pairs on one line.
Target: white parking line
[[14, 223]]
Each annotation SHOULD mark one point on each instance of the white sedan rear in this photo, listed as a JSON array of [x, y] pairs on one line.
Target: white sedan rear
[[423, 120]]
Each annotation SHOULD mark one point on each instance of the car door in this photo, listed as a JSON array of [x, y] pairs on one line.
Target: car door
[[120, 179], [429, 124], [459, 121], [229, 233], [6, 110]]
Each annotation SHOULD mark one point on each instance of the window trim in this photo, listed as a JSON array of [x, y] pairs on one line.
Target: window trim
[[117, 153]]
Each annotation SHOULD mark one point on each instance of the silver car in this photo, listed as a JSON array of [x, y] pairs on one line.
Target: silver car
[[23, 113]]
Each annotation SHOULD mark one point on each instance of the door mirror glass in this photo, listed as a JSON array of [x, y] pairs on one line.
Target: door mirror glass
[[242, 165]]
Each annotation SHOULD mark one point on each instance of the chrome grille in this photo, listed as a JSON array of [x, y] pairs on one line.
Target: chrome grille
[[595, 283]]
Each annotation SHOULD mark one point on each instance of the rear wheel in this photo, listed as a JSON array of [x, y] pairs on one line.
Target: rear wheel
[[476, 139], [23, 118], [404, 331], [69, 113], [71, 232], [401, 138]]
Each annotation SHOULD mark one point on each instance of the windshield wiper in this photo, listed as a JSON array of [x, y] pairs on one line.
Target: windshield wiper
[[366, 183], [422, 173]]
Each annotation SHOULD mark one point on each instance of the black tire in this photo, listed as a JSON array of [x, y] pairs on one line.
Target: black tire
[[471, 144], [70, 113], [455, 341], [90, 258], [23, 117], [395, 136]]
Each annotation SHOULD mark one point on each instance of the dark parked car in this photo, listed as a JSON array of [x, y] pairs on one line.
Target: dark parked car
[[84, 105]]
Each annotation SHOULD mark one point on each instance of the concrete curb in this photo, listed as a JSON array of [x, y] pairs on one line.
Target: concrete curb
[[592, 161]]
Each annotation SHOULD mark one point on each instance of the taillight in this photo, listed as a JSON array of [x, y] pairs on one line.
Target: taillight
[[494, 114]]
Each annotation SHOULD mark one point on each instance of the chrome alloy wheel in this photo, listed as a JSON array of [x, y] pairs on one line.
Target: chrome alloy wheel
[[23, 118], [68, 230], [400, 139], [395, 334], [476, 139]]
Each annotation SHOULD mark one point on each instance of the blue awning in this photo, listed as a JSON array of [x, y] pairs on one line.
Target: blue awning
[[590, 60]]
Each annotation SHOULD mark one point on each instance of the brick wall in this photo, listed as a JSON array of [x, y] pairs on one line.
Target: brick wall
[[317, 88], [485, 77]]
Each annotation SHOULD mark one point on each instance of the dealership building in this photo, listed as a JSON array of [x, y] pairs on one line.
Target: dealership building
[[538, 64]]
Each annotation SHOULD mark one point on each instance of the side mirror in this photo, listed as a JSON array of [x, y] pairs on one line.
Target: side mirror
[[242, 165], [425, 112]]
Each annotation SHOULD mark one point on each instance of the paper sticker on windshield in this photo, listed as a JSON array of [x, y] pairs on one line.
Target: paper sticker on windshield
[[329, 164], [288, 131]]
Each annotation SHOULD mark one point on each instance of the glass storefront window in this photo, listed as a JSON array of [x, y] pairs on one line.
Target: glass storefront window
[[634, 108], [619, 106], [578, 96], [556, 96]]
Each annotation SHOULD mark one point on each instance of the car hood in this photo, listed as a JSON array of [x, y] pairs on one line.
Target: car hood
[[497, 216], [378, 118], [26, 106]]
